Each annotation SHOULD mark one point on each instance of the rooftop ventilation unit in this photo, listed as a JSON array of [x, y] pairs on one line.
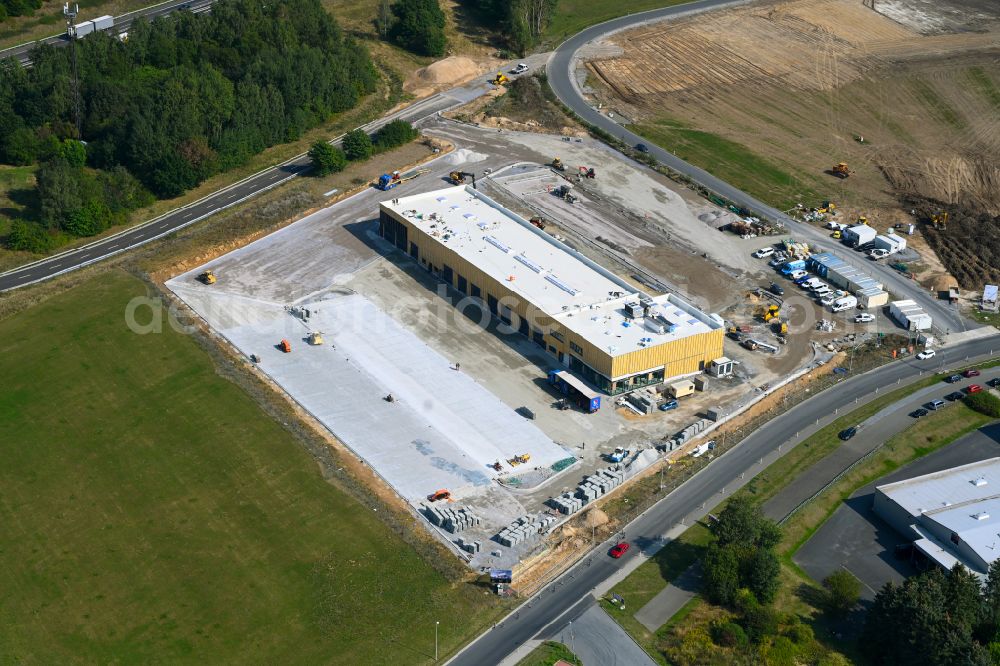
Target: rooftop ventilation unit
[[562, 285], [497, 244], [633, 310], [529, 263], [982, 515], [980, 482]]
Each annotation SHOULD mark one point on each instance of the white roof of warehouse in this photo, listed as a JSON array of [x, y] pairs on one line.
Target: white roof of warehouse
[[950, 487], [585, 297]]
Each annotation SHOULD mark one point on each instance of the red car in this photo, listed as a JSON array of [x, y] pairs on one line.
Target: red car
[[971, 373], [619, 550], [973, 388]]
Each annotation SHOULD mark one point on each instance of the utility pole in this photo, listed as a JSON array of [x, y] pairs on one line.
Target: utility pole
[[70, 15], [436, 640]]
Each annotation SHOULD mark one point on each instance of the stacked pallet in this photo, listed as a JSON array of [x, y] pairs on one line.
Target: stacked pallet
[[566, 504], [598, 484], [452, 520], [524, 528]]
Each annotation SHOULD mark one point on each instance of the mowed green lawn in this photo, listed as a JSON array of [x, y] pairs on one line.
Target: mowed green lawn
[[150, 512]]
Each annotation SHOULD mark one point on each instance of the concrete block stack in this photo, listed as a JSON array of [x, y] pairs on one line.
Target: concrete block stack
[[683, 436], [524, 528], [600, 483], [452, 520], [566, 504], [468, 546]]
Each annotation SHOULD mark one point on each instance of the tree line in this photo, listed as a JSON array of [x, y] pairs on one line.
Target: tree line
[[183, 98], [521, 22], [357, 146]]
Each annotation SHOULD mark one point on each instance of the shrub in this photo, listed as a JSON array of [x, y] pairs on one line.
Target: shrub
[[759, 623], [326, 159], [728, 634], [843, 591], [396, 133], [28, 237], [357, 145], [984, 403], [782, 652], [800, 634]]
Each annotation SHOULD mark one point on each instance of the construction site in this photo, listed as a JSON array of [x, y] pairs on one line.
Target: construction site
[[514, 329], [903, 95]]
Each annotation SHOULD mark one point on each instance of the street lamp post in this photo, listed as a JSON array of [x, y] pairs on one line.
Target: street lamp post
[[436, 640]]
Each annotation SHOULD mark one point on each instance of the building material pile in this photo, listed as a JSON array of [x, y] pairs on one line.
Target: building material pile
[[566, 504], [524, 528], [472, 547], [449, 519], [598, 484]]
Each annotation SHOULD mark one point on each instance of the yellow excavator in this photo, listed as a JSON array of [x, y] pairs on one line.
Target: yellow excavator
[[208, 277], [500, 79], [557, 164], [841, 170]]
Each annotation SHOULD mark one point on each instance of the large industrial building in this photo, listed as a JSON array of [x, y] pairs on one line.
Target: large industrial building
[[589, 320], [952, 516]]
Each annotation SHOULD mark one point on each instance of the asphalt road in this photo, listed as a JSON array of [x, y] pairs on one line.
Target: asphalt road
[[122, 23], [562, 79], [559, 602]]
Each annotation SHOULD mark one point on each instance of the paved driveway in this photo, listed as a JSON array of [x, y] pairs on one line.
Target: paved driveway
[[597, 639]]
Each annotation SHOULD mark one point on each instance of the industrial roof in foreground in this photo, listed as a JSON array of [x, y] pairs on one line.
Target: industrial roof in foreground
[[559, 281]]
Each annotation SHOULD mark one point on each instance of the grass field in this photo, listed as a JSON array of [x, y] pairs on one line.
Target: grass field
[[572, 16], [153, 513], [548, 653], [732, 162]]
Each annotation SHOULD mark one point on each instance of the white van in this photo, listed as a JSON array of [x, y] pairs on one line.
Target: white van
[[811, 283], [845, 303], [795, 275], [764, 252], [822, 291], [819, 284]]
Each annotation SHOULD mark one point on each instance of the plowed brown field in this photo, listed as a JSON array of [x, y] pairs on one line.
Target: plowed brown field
[[798, 83]]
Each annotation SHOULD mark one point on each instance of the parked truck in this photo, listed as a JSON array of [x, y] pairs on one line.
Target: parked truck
[[100, 23]]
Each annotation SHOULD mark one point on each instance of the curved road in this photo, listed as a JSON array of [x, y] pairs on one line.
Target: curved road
[[562, 78], [570, 595]]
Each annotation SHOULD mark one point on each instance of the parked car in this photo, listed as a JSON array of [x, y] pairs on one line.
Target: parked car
[[520, 69], [993, 383], [776, 289], [864, 318], [642, 148], [935, 404], [762, 252], [878, 253], [973, 388], [822, 290], [798, 276], [955, 395], [954, 379], [619, 550], [847, 433], [668, 405], [917, 413], [972, 372], [926, 354]]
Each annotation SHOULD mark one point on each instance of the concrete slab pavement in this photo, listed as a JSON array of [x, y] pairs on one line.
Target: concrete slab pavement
[[670, 599]]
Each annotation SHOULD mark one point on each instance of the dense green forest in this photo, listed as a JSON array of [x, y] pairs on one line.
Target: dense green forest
[[183, 98], [18, 8], [522, 22]]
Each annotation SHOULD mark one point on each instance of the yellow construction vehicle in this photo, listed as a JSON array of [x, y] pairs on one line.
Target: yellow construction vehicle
[[439, 495], [558, 164], [208, 277], [772, 312], [862, 220], [836, 234], [315, 338], [500, 79], [519, 460], [456, 177], [940, 220], [841, 170], [780, 327]]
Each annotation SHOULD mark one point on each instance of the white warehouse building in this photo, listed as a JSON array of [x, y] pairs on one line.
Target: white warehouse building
[[910, 316], [952, 516], [891, 243]]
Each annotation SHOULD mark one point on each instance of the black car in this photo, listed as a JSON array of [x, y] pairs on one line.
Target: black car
[[993, 383], [776, 289], [954, 379], [957, 395], [848, 433], [917, 413], [642, 148]]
